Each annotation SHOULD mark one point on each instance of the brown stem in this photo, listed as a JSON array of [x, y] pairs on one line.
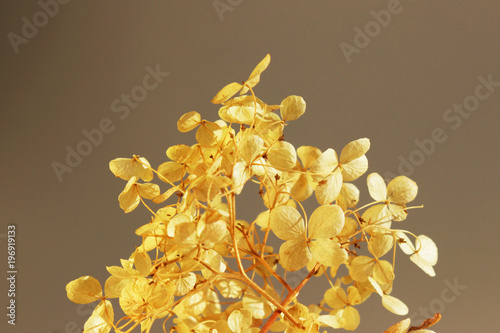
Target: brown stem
[[289, 298]]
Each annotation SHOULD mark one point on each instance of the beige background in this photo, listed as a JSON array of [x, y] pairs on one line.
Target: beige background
[[394, 91]]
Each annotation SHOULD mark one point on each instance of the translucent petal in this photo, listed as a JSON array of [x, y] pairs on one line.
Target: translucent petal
[[85, 289], [282, 155], [353, 295], [256, 305], [250, 148], [230, 288], [208, 134], [114, 286], [262, 219], [172, 171], [148, 191], [302, 189], [189, 121], [129, 198], [126, 168], [405, 243], [142, 262], [401, 327], [423, 264], [294, 254], [255, 75], [96, 324], [394, 305], [351, 317], [383, 272], [287, 223], [179, 153], [379, 215], [427, 249], [239, 320], [327, 252], [326, 222], [239, 114], [324, 165], [329, 320], [292, 108], [402, 190], [380, 243], [376, 286], [328, 190], [241, 174], [308, 155], [354, 150], [336, 298], [348, 196], [361, 268], [226, 93], [355, 168], [376, 186]]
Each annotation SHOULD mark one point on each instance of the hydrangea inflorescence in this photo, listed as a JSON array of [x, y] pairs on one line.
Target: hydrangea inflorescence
[[211, 272]]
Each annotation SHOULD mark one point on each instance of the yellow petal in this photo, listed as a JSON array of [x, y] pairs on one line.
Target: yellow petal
[[96, 324], [361, 268], [148, 191], [208, 134], [354, 150], [129, 198], [282, 155], [255, 75], [239, 320], [226, 93], [402, 190], [324, 165], [302, 189], [355, 168], [427, 249], [83, 290], [126, 168], [292, 108], [142, 262], [336, 297], [172, 171], [326, 222], [287, 223], [179, 153], [250, 148], [380, 244], [308, 155], [423, 264], [189, 121], [114, 286], [294, 254], [394, 305], [348, 196], [230, 288], [328, 190], [401, 327], [351, 317], [239, 114], [327, 252], [377, 187]]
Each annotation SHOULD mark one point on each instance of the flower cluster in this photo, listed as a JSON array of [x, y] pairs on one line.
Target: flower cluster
[[208, 271]]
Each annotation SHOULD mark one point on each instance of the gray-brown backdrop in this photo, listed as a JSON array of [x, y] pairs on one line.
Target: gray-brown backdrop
[[419, 78]]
